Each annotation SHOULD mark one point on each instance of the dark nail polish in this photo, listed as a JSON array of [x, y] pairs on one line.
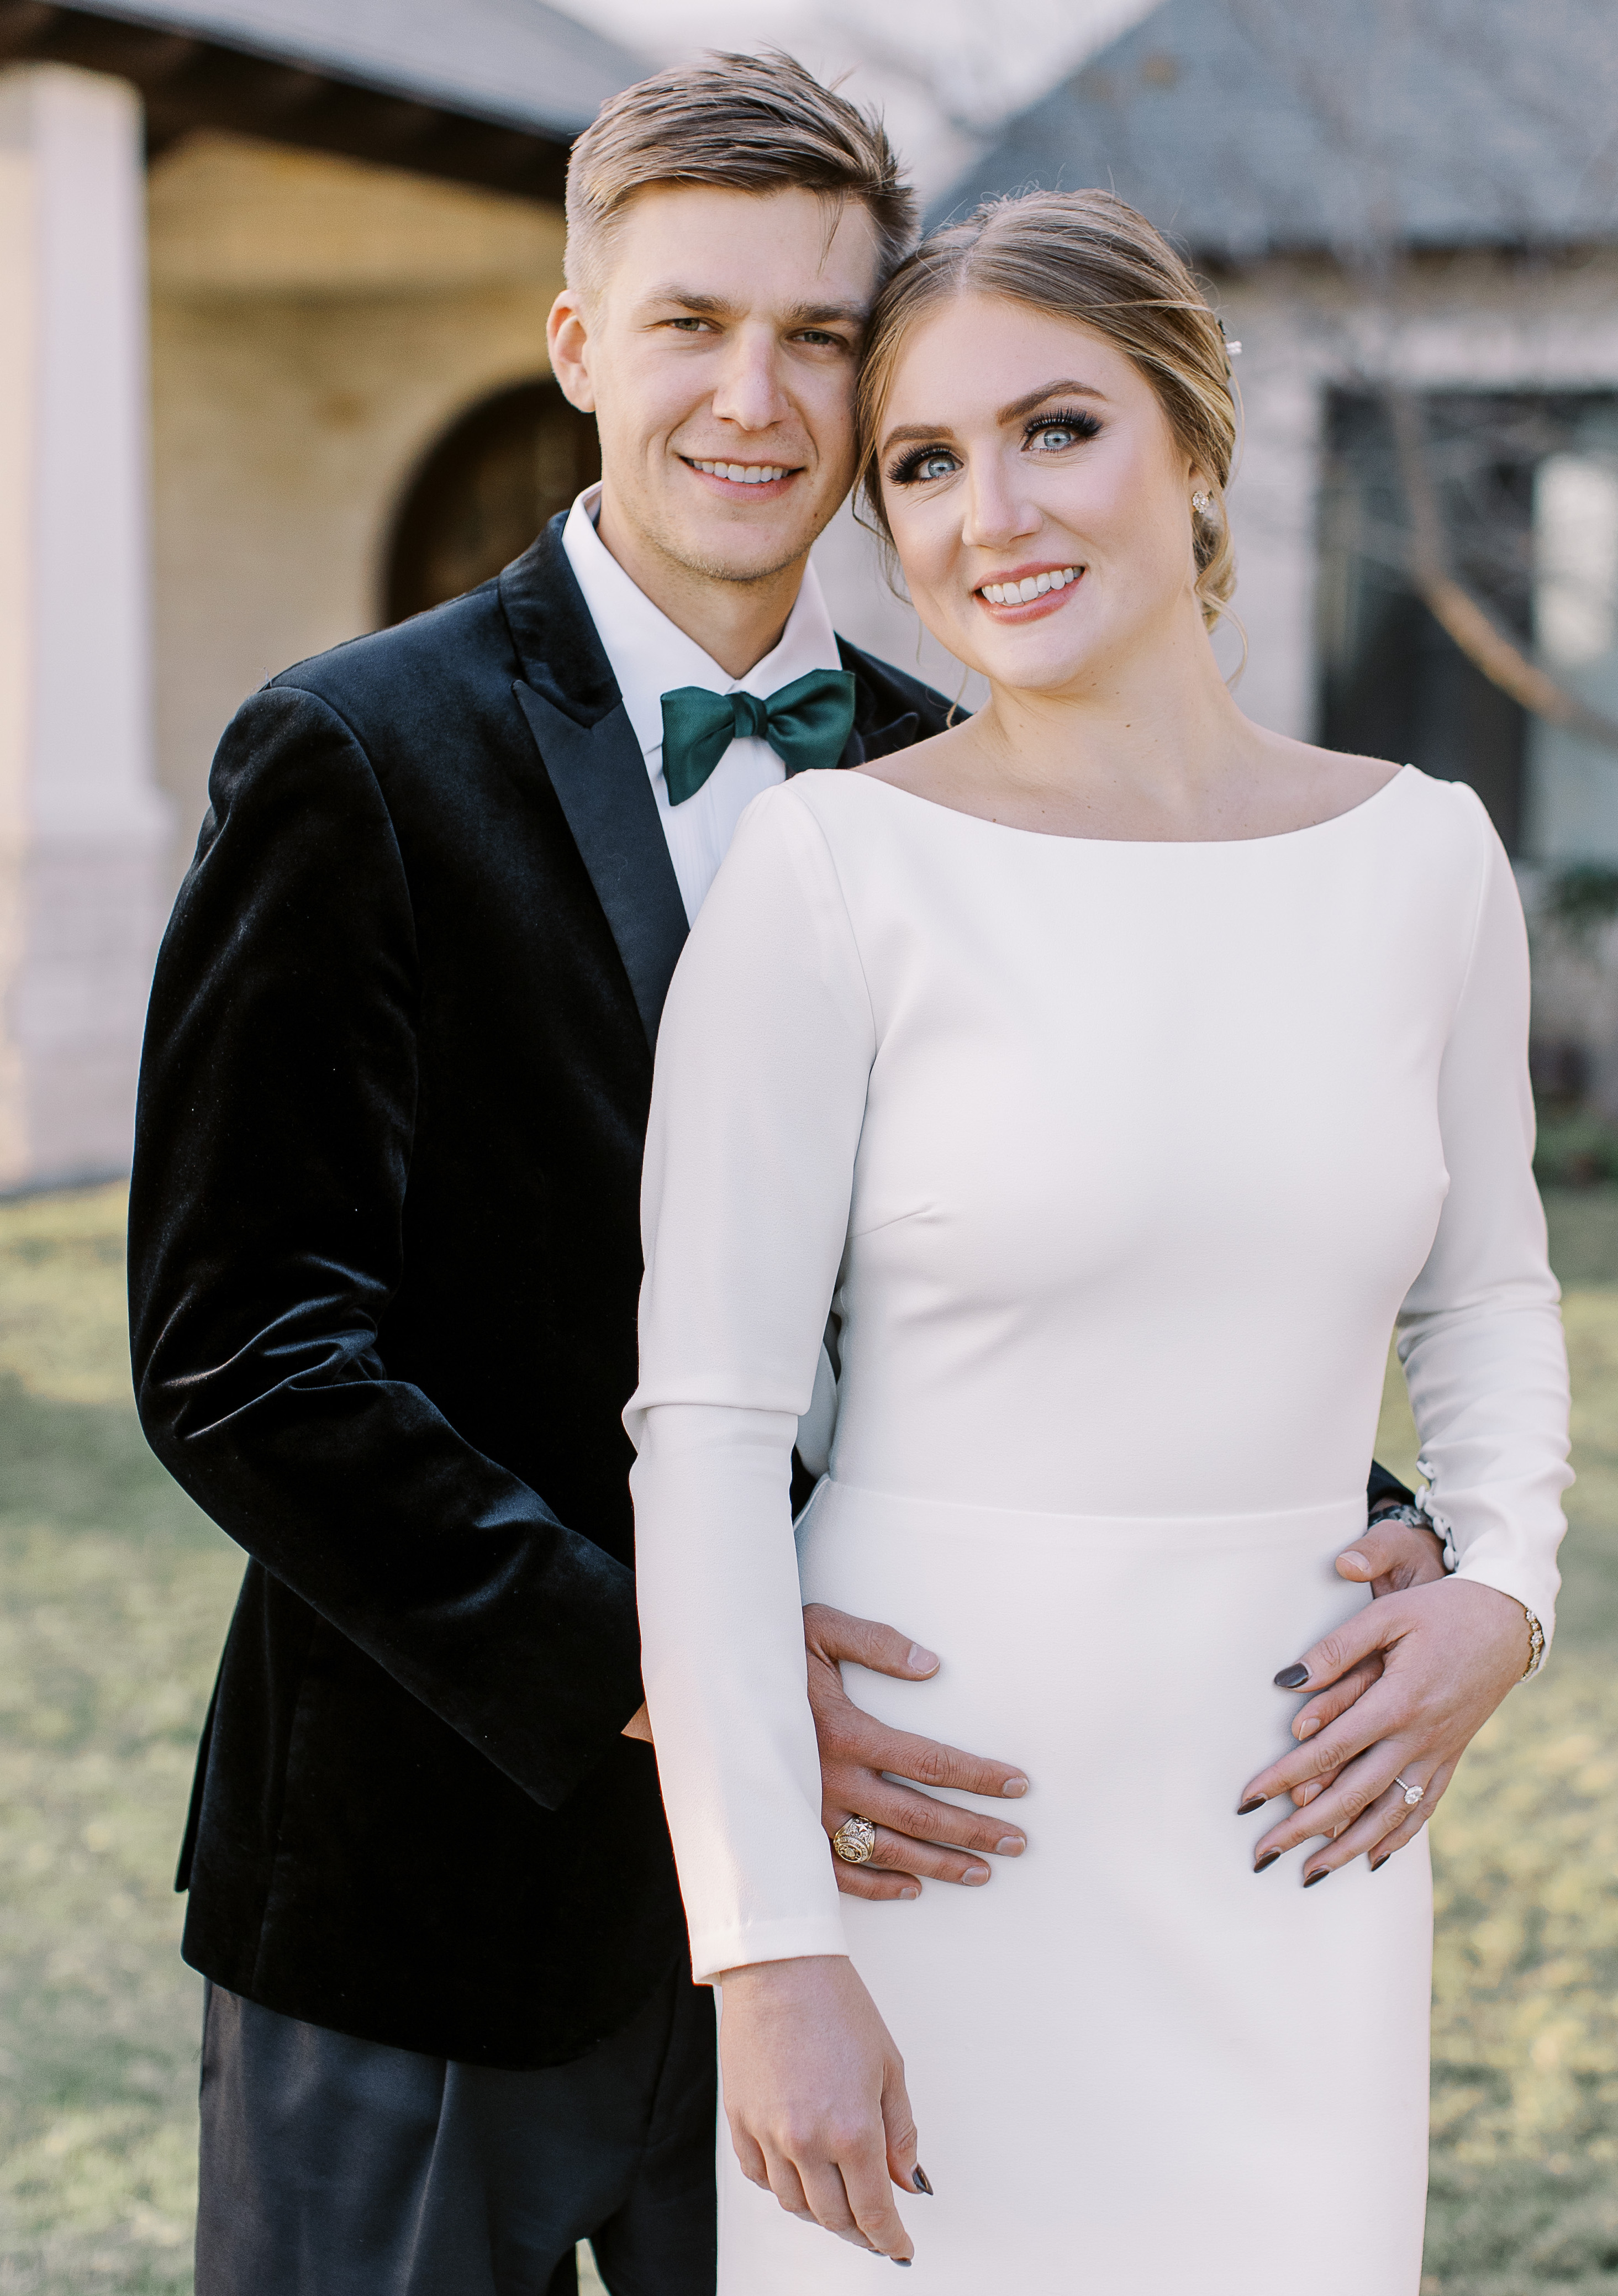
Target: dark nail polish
[[906, 2260], [919, 2177], [1245, 1808], [1268, 1858], [1320, 1873], [1378, 1863], [1292, 1677]]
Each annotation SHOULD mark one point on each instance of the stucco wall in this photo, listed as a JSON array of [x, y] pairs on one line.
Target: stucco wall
[[315, 324]]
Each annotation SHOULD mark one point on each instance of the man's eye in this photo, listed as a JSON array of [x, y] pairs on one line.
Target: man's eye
[[689, 326], [822, 341]]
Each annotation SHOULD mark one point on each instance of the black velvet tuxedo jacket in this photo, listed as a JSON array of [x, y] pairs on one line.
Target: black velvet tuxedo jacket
[[384, 1262]]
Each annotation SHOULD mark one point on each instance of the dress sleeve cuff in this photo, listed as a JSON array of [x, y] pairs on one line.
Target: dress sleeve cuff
[[802, 1937]]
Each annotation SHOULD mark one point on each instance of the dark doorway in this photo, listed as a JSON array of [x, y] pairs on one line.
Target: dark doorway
[[1394, 685], [483, 493]]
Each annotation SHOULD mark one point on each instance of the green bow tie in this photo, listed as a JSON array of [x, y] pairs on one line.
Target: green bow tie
[[806, 724]]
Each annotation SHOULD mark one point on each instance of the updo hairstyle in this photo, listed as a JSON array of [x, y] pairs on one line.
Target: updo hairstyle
[[1082, 256]]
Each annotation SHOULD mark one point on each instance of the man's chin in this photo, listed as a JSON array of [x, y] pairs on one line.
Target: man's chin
[[736, 549]]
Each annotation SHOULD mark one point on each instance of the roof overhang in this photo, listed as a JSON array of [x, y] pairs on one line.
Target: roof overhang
[[192, 78]]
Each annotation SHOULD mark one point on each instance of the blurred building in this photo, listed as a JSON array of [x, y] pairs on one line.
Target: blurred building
[[1411, 206], [275, 275]]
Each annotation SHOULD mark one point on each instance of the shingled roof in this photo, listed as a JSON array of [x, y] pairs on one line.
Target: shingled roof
[[487, 91], [1252, 127]]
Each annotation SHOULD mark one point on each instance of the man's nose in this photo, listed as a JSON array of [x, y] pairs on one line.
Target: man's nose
[[750, 393]]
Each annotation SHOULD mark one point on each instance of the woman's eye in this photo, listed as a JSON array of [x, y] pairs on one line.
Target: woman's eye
[[1052, 437], [931, 462]]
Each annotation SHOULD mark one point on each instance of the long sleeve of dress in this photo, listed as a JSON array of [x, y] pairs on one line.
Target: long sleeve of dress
[[1480, 1336], [763, 1059]]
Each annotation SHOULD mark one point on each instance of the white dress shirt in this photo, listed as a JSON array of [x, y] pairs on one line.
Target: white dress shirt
[[650, 658]]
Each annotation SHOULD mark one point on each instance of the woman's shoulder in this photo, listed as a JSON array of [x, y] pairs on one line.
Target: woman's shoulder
[[1397, 801], [783, 859]]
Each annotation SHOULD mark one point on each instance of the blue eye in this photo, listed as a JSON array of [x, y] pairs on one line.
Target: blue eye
[[925, 462], [1053, 434]]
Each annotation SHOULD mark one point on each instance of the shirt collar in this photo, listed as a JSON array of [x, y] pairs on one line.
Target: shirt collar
[[650, 656]]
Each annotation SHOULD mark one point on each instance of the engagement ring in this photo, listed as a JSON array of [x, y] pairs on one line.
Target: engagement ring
[[1412, 1794]]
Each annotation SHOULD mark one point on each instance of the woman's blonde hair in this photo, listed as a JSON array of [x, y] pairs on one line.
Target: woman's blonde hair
[[1082, 256]]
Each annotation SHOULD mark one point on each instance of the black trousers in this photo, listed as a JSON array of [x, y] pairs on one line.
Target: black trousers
[[333, 2167]]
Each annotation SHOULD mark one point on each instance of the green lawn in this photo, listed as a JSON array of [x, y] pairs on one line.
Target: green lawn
[[114, 1594]]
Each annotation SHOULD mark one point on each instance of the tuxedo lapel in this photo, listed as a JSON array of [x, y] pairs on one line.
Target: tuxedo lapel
[[599, 777], [570, 699]]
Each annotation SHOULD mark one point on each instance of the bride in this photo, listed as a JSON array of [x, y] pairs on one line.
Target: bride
[[1038, 1057]]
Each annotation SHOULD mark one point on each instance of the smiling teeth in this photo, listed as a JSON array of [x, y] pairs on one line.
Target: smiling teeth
[[1031, 585], [742, 474]]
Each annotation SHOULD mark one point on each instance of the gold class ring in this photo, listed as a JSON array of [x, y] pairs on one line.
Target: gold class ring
[[854, 1841], [1412, 1794]]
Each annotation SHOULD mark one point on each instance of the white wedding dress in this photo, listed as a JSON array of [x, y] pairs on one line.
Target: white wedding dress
[[1118, 1162]]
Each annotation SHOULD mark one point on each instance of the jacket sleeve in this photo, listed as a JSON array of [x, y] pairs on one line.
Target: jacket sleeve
[[273, 1136]]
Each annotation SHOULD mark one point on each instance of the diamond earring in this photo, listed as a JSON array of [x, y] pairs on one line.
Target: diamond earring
[[1205, 502]]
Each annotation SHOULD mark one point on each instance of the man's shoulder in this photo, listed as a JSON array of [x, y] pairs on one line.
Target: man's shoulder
[[892, 710], [413, 668]]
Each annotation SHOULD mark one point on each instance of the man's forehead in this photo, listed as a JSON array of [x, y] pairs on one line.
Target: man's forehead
[[792, 251]]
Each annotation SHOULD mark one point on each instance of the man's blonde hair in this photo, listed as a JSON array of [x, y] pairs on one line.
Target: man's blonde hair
[[739, 124]]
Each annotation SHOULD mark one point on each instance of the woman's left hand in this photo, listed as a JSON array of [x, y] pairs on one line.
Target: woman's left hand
[[1448, 1652]]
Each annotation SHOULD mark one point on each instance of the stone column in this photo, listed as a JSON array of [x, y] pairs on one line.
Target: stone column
[[83, 827]]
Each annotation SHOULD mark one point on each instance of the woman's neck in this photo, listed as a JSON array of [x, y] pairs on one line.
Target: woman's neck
[[1149, 749]]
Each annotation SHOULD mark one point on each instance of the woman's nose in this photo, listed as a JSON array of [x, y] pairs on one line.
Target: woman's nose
[[996, 512]]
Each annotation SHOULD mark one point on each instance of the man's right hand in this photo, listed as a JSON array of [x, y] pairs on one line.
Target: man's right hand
[[917, 1836]]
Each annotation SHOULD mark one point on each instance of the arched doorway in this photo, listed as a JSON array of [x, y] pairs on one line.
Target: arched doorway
[[484, 491]]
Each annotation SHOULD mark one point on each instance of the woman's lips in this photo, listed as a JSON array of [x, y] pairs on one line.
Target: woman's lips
[[1027, 594]]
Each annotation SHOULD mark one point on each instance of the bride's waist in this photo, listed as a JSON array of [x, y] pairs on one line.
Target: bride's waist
[[839, 1510], [1064, 1630]]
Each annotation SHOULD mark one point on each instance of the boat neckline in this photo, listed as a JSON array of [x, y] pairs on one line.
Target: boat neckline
[[1141, 844]]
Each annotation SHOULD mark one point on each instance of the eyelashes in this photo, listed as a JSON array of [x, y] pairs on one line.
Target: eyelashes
[[908, 468], [912, 467], [1077, 419]]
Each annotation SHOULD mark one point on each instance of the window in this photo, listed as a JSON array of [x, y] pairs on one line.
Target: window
[[1527, 485]]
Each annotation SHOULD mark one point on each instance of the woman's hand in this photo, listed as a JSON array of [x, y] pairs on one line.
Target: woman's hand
[[815, 2095], [1448, 1654], [1387, 1557]]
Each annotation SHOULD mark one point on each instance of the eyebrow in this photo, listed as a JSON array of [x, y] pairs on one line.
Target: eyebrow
[[799, 315], [1065, 388]]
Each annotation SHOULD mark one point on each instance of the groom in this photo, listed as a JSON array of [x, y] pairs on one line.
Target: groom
[[384, 1262]]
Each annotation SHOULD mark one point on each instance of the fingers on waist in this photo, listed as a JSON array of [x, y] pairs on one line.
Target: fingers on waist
[[922, 1761], [920, 1816]]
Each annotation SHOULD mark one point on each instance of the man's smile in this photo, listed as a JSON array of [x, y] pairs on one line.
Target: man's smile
[[769, 479]]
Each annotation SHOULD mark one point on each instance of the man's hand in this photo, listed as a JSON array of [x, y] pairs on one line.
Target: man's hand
[[916, 1835], [639, 1725]]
